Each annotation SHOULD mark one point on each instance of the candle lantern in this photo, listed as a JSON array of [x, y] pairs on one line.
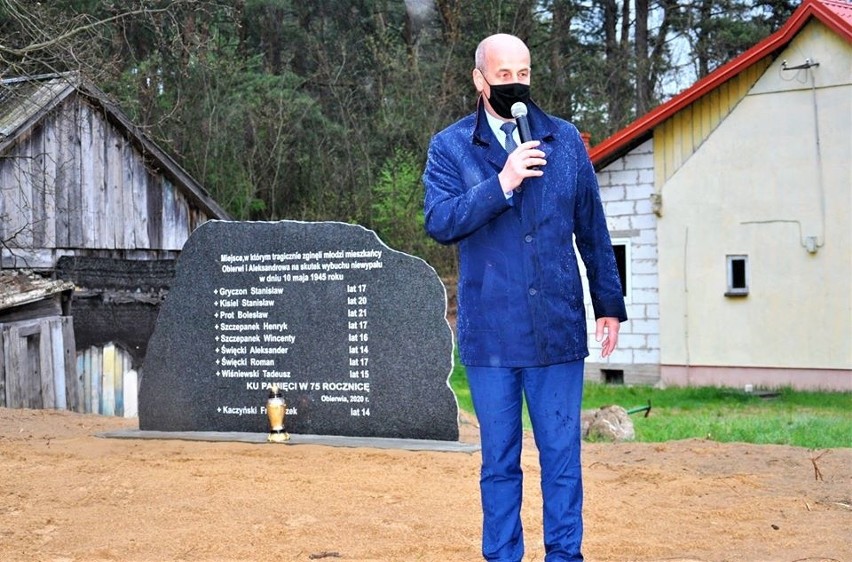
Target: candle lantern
[[275, 408]]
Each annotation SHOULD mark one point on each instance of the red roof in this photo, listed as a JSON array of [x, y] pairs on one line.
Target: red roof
[[835, 14]]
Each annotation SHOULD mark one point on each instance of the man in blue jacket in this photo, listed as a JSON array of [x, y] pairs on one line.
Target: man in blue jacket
[[515, 211]]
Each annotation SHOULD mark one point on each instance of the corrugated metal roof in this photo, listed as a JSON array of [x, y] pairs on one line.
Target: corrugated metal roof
[[17, 288], [22, 99], [841, 8]]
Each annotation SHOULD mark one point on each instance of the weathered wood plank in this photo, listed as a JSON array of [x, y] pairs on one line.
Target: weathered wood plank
[[88, 186], [126, 163], [24, 236], [115, 188], [49, 138], [170, 214], [28, 350], [16, 212], [13, 376], [98, 375], [10, 354], [76, 205], [127, 366], [44, 345], [113, 367], [80, 384], [155, 209], [8, 198], [107, 364], [102, 232], [38, 195], [61, 154], [73, 380], [95, 370], [85, 374], [21, 371], [181, 224], [3, 360], [131, 394], [57, 348], [14, 394], [141, 195]]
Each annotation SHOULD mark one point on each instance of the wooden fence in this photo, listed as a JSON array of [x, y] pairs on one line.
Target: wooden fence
[[40, 369], [109, 383]]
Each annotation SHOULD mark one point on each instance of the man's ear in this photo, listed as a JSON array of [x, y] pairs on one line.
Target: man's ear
[[478, 80]]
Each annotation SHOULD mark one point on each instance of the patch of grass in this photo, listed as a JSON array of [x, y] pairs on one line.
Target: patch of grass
[[458, 382], [783, 417]]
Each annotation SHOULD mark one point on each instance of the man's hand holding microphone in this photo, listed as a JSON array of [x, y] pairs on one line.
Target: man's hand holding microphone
[[526, 160]]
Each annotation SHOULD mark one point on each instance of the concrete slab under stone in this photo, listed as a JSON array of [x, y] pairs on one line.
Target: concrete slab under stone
[[353, 332], [297, 439]]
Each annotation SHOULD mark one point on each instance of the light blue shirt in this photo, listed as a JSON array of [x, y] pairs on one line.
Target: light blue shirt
[[495, 123]]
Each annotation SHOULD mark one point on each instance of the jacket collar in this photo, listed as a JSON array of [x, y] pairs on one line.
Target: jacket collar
[[542, 126]]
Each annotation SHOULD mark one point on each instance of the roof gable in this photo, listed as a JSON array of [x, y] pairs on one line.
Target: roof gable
[[835, 14], [24, 101]]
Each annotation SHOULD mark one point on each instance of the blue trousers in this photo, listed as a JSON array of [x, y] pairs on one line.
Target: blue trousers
[[554, 395]]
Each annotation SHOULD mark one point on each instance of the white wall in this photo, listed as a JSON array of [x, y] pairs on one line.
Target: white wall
[[774, 173]]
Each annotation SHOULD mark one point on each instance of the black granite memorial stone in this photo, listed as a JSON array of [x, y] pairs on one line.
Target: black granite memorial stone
[[353, 332]]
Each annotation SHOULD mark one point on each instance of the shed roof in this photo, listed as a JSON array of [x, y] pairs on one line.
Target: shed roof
[[25, 100], [835, 14], [18, 288]]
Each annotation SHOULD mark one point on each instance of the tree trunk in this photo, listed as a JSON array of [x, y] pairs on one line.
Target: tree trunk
[[644, 87]]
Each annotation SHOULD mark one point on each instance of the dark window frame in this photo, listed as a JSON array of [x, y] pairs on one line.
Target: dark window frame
[[621, 249], [737, 274]]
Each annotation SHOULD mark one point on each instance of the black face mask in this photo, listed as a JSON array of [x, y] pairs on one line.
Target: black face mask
[[503, 96]]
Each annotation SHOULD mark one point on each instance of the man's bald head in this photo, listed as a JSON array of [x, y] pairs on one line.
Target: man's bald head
[[499, 45]]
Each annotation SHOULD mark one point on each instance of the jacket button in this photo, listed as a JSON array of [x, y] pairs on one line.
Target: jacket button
[[528, 238], [533, 292]]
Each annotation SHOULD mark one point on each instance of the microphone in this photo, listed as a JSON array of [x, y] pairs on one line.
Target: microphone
[[519, 112]]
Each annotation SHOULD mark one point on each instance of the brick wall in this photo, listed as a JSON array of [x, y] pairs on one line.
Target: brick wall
[[626, 187]]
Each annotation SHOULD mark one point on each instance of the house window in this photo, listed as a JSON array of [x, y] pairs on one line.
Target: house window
[[737, 276], [621, 248], [613, 376]]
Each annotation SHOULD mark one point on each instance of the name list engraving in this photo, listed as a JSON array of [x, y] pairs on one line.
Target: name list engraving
[[257, 346]]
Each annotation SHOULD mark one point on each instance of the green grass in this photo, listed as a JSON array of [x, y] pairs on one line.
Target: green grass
[[786, 417]]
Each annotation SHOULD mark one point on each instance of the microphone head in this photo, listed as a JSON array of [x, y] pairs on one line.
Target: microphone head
[[519, 109]]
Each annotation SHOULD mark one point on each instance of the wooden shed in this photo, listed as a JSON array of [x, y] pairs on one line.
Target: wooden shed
[[87, 198], [37, 366]]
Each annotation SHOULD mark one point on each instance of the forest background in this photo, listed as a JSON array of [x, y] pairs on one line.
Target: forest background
[[323, 110]]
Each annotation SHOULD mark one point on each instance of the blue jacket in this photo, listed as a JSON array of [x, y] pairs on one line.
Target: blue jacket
[[520, 298]]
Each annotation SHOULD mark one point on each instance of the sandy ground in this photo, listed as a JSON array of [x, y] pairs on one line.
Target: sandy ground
[[68, 495]]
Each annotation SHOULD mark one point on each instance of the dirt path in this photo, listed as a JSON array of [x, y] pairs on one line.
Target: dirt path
[[67, 495]]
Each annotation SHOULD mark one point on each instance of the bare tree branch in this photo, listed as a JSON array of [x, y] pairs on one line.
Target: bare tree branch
[[19, 13]]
